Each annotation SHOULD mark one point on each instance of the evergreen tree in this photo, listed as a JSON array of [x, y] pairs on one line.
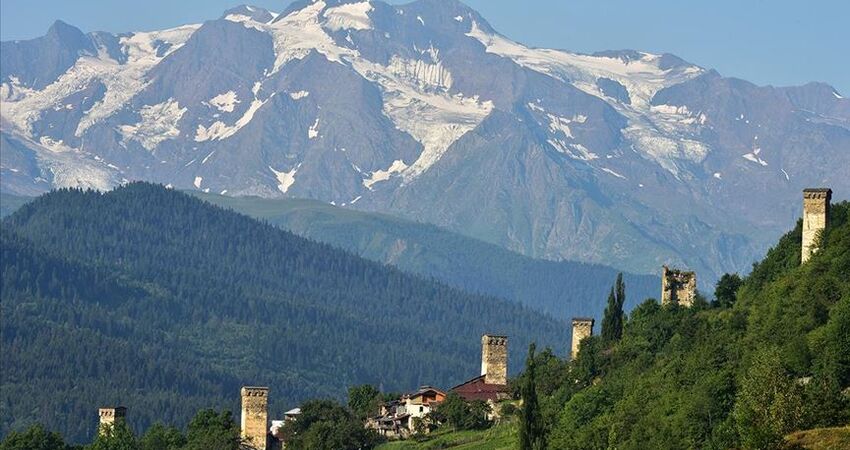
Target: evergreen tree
[[531, 432], [612, 321]]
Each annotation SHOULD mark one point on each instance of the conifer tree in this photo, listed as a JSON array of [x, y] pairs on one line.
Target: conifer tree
[[531, 432], [612, 321]]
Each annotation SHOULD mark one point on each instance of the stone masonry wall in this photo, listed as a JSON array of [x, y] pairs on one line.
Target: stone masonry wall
[[255, 415], [815, 218], [582, 328], [678, 287], [494, 359]]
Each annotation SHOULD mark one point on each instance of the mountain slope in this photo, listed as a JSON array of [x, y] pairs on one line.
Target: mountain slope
[[424, 111], [560, 289], [153, 299], [10, 203], [772, 358]]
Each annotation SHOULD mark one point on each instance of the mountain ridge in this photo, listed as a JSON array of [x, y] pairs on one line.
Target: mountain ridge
[[562, 289], [618, 157]]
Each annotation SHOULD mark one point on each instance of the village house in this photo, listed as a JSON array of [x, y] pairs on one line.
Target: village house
[[397, 418]]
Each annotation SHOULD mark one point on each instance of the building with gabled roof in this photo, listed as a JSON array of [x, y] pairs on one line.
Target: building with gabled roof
[[478, 389]]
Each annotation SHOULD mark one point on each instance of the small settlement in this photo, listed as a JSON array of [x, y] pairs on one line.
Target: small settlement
[[397, 419]]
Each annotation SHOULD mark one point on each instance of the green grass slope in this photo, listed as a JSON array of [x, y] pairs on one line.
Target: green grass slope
[[499, 437], [820, 439]]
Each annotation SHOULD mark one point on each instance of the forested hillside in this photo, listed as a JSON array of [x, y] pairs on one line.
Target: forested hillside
[[563, 289], [156, 300], [770, 356]]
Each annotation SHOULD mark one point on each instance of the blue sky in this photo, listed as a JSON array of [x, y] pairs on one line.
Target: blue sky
[[779, 42]]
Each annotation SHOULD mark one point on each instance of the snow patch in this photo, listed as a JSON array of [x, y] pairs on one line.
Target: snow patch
[[159, 123], [787, 178], [718, 175], [754, 157], [313, 132], [219, 130], [459, 18], [671, 109], [562, 124], [666, 151], [425, 110], [350, 16], [421, 72], [55, 146], [225, 102], [397, 166], [837, 95], [575, 151], [198, 181], [421, 20], [609, 171], [285, 180], [299, 95], [246, 20]]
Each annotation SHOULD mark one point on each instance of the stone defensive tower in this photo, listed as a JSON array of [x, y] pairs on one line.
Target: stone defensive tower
[[815, 218], [109, 416], [678, 287], [582, 328], [494, 359], [255, 417]]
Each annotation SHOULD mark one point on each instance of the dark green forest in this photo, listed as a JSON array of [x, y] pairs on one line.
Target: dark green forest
[[563, 289], [158, 301], [769, 356]]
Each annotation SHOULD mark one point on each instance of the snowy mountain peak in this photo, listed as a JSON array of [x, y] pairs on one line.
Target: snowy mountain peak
[[423, 110], [248, 12]]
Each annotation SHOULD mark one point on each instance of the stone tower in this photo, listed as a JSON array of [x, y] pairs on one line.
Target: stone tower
[[109, 416], [255, 416], [582, 328], [494, 359], [678, 287], [815, 218]]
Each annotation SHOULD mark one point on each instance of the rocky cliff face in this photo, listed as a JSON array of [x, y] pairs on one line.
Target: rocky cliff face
[[424, 111]]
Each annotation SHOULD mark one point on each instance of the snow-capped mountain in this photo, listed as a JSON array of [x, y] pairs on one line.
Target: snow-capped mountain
[[424, 110]]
